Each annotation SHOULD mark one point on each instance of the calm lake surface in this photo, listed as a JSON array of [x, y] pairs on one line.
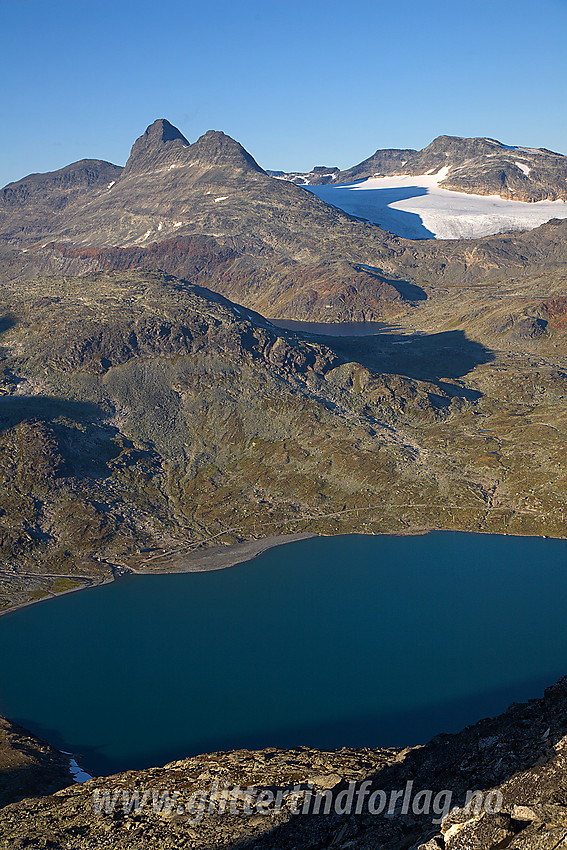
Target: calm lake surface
[[344, 641]]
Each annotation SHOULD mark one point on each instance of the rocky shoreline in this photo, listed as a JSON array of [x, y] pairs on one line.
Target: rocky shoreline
[[217, 557]]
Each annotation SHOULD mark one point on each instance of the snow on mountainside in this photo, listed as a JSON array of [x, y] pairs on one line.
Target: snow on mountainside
[[417, 207]]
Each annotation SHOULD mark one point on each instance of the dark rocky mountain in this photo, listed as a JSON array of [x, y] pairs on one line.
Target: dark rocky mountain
[[28, 204], [487, 167], [382, 162], [321, 174], [162, 144], [42, 188], [217, 150], [169, 187], [476, 166]]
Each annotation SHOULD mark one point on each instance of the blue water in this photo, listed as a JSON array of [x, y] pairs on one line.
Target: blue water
[[344, 641]]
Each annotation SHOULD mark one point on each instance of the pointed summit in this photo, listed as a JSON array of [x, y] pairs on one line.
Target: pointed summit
[[161, 144], [215, 148], [161, 130]]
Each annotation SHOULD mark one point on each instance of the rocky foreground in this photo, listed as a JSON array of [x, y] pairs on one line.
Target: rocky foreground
[[517, 762]]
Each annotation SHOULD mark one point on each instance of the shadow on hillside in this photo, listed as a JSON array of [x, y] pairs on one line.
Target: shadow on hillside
[[426, 357], [6, 322], [409, 291], [374, 206], [15, 409], [86, 443], [32, 780]]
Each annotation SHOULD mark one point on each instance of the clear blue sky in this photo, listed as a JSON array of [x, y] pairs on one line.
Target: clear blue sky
[[297, 83]]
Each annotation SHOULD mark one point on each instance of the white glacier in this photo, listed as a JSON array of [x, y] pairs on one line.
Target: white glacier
[[416, 207]]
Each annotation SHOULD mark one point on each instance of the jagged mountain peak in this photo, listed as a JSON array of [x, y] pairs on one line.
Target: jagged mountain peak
[[159, 145], [216, 148], [162, 130]]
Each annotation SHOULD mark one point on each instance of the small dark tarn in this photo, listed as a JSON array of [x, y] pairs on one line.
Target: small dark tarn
[[409, 291]]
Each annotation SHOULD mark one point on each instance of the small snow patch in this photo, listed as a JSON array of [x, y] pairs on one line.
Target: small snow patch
[[523, 167], [442, 173], [178, 224], [110, 185], [146, 234], [160, 226], [79, 775], [404, 161], [222, 198]]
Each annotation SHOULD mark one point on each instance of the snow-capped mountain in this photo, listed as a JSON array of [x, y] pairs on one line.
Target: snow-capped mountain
[[418, 207], [451, 189]]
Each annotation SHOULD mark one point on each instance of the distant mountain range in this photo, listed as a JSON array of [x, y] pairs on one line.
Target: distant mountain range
[[208, 211], [477, 166]]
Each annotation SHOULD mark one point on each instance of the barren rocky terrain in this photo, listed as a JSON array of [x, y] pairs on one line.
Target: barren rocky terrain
[[150, 409], [138, 402]]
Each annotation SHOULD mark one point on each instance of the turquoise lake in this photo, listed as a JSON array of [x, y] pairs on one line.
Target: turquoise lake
[[330, 642]]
